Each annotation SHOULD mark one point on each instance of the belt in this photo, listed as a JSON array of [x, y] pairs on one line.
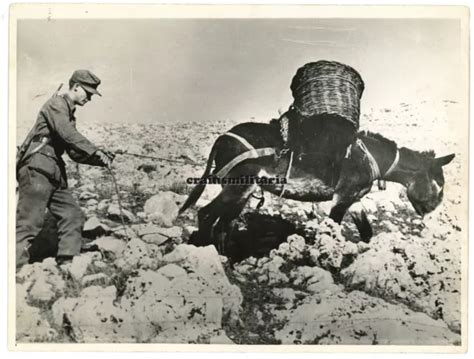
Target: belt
[[40, 147]]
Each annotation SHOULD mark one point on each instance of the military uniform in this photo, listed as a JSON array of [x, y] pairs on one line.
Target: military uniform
[[42, 180]]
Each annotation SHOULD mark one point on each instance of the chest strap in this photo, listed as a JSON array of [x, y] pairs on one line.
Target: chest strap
[[394, 163], [374, 167]]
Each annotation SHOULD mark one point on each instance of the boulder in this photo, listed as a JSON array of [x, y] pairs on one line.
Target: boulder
[[206, 263], [138, 254], [162, 209], [174, 302], [314, 279], [31, 326], [330, 243], [43, 281], [93, 317], [356, 318]]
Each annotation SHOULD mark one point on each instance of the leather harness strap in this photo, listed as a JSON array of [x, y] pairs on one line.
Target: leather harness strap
[[242, 140], [394, 164], [251, 153], [374, 167]]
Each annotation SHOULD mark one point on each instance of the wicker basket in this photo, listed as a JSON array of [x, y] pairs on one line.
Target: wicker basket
[[328, 87]]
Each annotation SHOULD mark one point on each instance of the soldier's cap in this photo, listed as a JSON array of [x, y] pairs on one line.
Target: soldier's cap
[[87, 80]]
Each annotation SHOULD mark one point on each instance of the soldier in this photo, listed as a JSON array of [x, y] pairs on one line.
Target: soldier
[[41, 173]]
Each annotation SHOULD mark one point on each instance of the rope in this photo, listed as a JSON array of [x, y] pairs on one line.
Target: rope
[[154, 158], [119, 202]]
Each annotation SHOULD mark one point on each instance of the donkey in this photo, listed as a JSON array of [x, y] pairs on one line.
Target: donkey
[[370, 157]]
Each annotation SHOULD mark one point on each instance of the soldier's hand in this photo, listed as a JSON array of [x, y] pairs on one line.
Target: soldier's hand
[[104, 158], [109, 154]]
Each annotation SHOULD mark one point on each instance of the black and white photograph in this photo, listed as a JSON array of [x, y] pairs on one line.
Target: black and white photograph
[[225, 176]]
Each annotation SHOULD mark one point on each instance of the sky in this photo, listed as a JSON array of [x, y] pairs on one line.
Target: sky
[[175, 70]]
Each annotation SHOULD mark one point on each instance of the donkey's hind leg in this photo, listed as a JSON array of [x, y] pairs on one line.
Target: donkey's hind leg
[[234, 200], [207, 217]]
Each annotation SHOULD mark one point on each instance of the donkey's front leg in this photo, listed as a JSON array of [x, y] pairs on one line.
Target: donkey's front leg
[[361, 221], [339, 207]]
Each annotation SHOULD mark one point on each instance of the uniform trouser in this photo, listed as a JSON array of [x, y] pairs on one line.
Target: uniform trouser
[[36, 194]]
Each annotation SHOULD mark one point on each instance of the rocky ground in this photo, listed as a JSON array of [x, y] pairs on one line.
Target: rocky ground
[[302, 280]]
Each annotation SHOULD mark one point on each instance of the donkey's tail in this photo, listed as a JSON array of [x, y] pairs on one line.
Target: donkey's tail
[[199, 188]]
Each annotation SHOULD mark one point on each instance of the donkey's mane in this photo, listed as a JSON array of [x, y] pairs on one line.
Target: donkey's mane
[[379, 137]]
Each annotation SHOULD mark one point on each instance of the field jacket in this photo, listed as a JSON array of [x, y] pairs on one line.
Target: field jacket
[[56, 125]]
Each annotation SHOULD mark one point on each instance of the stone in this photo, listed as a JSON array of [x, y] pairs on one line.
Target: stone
[[315, 279], [356, 318], [389, 226], [380, 271], [92, 202], [95, 318], [287, 295], [171, 271], [114, 213], [137, 254], [100, 264], [331, 251], [103, 205], [369, 205], [162, 209], [124, 233], [154, 234], [350, 249], [362, 247], [95, 279], [31, 327], [386, 205], [188, 230], [176, 305], [206, 262], [110, 245], [86, 195], [93, 228], [79, 266], [42, 291]]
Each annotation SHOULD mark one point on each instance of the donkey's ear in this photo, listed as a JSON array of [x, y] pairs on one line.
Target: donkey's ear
[[443, 161]]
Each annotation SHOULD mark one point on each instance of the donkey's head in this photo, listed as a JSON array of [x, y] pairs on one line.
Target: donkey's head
[[425, 188]]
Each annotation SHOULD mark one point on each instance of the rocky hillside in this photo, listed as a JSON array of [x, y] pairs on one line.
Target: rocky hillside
[[294, 276]]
